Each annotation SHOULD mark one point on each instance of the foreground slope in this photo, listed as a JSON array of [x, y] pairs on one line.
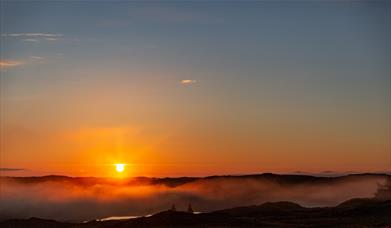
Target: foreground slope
[[352, 213]]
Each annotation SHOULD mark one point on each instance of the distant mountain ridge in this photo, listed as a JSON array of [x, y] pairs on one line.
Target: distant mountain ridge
[[177, 181]]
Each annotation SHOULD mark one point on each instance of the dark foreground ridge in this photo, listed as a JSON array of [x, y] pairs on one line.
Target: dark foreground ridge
[[352, 213]]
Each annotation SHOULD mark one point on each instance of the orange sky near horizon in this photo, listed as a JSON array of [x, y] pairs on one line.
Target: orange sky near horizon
[[93, 151]]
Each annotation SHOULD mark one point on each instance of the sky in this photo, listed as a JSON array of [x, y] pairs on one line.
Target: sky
[[175, 88]]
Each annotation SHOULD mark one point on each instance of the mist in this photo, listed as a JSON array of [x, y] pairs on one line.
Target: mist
[[68, 199]]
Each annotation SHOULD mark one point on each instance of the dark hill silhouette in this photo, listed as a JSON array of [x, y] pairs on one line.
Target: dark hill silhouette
[[352, 213], [352, 203], [34, 222], [266, 208]]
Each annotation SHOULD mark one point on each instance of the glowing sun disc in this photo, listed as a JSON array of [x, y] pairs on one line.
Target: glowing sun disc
[[120, 167]]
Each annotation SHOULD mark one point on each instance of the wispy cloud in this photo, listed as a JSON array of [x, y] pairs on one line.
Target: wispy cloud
[[51, 39], [36, 57], [8, 63], [33, 34], [188, 81], [34, 37], [31, 40], [5, 64], [10, 169]]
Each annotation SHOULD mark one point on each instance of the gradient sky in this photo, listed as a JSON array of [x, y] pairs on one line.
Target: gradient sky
[[195, 88]]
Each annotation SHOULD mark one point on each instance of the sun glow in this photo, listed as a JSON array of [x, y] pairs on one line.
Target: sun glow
[[120, 167]]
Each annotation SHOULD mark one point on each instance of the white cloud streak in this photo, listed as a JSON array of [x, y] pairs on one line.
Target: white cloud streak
[[34, 37], [188, 81], [36, 57], [47, 35]]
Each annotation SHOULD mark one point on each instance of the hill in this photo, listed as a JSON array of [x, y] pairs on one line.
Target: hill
[[353, 213]]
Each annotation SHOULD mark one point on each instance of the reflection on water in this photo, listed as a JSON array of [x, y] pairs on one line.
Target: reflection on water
[[120, 217], [130, 217]]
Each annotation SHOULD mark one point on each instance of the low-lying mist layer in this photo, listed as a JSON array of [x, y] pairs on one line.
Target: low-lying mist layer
[[80, 199]]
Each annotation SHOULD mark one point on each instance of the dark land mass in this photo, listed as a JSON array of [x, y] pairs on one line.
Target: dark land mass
[[352, 213]]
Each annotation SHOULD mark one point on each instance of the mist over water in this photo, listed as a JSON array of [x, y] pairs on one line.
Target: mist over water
[[68, 199]]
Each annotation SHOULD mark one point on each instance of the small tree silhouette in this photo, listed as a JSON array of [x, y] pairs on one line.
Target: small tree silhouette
[[190, 209]]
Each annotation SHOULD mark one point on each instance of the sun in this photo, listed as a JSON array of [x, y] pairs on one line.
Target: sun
[[120, 167]]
